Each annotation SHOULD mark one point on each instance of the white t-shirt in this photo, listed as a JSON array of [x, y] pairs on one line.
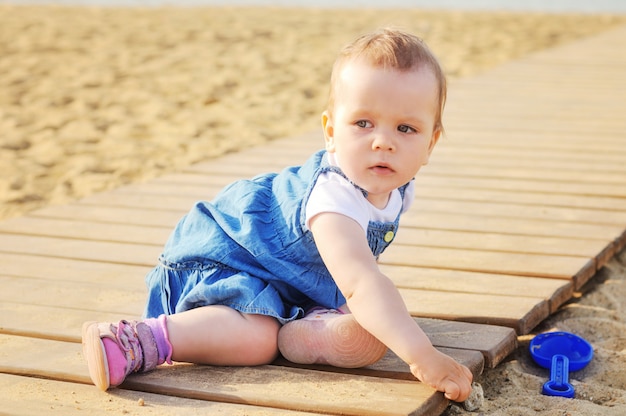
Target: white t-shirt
[[334, 193]]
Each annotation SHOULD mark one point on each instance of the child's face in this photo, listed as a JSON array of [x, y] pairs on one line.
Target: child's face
[[382, 129]]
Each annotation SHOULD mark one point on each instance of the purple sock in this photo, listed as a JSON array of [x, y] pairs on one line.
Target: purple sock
[[158, 326]]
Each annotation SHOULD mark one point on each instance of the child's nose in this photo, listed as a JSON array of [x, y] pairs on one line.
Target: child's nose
[[383, 141]]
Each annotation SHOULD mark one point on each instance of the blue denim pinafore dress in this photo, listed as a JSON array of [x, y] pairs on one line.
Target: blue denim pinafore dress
[[249, 249]]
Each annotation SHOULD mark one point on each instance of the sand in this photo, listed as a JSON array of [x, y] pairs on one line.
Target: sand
[[598, 314], [92, 98]]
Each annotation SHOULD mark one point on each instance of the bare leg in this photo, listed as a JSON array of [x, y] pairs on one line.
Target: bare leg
[[220, 335]]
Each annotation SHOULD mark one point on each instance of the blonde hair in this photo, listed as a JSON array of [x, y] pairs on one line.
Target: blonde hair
[[395, 49]]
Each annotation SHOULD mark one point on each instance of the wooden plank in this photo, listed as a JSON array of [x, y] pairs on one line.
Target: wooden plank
[[499, 242], [240, 168], [544, 77], [556, 110], [560, 267], [51, 359], [182, 184], [494, 342], [269, 386], [535, 212], [188, 179], [87, 230], [297, 389], [545, 141], [503, 124], [592, 173], [111, 215], [479, 223], [72, 270], [533, 92], [36, 396], [443, 191], [93, 296], [102, 251], [504, 150], [520, 313], [140, 200], [521, 185], [55, 323], [555, 291]]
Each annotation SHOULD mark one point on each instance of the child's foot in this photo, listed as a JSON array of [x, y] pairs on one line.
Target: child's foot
[[114, 351], [327, 336]]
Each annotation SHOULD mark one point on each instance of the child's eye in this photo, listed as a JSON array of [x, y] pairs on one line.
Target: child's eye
[[403, 128], [363, 124]]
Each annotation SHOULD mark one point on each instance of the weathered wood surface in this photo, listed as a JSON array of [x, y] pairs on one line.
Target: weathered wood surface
[[523, 200], [36, 396], [389, 387]]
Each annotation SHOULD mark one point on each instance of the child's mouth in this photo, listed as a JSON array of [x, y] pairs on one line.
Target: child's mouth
[[382, 169]]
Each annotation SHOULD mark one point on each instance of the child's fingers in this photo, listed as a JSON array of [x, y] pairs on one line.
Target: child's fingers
[[452, 392], [458, 390]]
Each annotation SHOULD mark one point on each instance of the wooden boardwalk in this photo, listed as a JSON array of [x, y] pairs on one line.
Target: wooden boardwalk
[[522, 202]]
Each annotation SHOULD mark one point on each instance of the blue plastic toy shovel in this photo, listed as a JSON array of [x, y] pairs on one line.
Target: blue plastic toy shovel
[[560, 352]]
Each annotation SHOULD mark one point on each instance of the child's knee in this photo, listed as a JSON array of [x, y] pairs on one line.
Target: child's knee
[[264, 343]]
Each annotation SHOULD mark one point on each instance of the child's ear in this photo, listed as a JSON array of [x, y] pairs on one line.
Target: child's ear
[[329, 131]]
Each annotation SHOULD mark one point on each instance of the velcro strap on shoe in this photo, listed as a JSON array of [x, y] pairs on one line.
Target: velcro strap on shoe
[[149, 347]]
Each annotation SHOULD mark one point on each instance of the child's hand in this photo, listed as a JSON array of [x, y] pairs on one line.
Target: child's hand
[[444, 374]]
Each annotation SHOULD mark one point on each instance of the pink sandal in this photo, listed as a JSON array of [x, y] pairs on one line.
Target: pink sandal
[[114, 351]]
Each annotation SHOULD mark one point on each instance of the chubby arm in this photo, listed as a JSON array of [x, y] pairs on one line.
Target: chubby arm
[[378, 307]]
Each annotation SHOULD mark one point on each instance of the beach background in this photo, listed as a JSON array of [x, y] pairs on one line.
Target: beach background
[[94, 97]]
